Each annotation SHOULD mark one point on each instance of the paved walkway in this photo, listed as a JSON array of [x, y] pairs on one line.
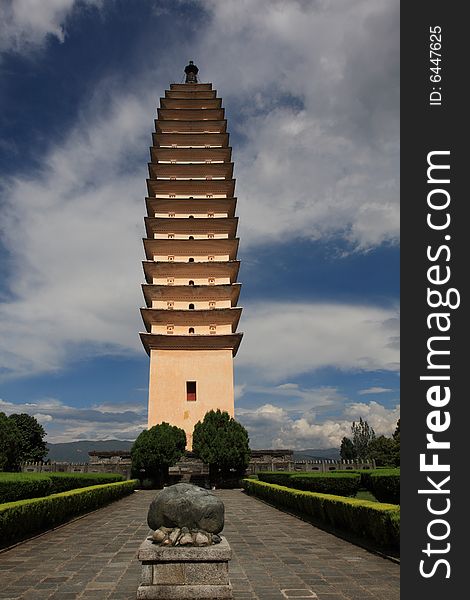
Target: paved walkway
[[275, 556]]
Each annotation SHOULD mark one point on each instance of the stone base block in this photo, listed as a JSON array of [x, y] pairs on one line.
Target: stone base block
[[180, 573]]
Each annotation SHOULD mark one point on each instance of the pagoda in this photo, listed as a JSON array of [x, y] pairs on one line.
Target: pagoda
[[191, 267]]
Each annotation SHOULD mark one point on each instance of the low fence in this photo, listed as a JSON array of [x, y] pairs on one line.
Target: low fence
[[194, 467], [63, 467], [322, 466]]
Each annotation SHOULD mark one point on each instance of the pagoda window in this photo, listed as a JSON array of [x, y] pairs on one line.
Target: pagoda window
[[191, 217], [210, 215], [210, 235], [191, 391], [170, 280], [211, 280], [191, 282], [210, 258], [208, 161], [170, 305], [171, 236], [191, 330], [191, 307], [171, 195], [171, 258], [172, 178], [190, 259], [208, 177], [211, 304], [173, 161], [191, 197], [170, 329], [174, 145], [191, 237], [171, 215], [212, 329]]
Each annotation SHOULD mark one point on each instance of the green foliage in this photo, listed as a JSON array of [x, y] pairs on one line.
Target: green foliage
[[156, 449], [385, 451], [396, 437], [340, 483], [9, 444], [24, 518], [362, 436], [384, 484], [32, 446], [396, 434], [19, 486], [222, 443], [377, 523], [347, 450]]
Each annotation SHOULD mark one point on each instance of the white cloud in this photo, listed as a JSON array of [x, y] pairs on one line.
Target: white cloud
[[65, 423], [270, 426], [26, 24], [74, 233], [285, 339], [375, 390], [315, 90]]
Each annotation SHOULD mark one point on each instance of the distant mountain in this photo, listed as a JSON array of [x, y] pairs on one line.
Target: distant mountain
[[77, 452], [317, 454]]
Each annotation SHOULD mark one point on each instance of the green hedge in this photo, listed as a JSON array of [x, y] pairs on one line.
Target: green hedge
[[25, 518], [17, 486], [376, 523], [21, 486], [339, 483], [384, 484]]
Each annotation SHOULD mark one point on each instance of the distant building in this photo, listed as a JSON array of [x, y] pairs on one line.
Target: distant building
[[107, 457]]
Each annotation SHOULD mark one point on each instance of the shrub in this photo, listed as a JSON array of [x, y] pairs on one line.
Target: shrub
[[223, 444], [384, 484], [20, 486], [17, 486], [379, 524], [63, 482], [155, 450], [24, 518], [339, 483]]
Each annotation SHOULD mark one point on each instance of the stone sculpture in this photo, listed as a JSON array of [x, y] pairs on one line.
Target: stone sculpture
[[186, 515]]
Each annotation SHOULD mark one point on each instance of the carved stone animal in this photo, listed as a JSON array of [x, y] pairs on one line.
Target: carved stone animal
[[186, 505]]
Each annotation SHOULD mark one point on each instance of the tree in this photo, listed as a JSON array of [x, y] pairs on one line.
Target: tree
[[362, 435], [223, 444], [396, 437], [9, 445], [347, 451], [32, 446], [155, 450], [383, 450]]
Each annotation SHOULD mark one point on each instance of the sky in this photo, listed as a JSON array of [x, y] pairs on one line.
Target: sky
[[311, 93]]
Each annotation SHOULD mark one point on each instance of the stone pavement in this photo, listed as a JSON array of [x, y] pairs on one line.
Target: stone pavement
[[275, 556]]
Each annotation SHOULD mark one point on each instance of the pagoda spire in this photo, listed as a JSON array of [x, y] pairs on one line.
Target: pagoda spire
[[191, 268], [191, 72]]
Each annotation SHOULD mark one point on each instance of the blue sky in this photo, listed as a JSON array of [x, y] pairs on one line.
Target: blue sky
[[311, 96]]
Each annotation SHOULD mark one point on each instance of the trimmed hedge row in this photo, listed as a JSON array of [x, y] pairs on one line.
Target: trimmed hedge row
[[21, 486], [377, 523], [338, 484], [384, 484], [24, 518]]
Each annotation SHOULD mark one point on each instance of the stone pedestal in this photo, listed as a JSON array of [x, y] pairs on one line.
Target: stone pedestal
[[181, 572]]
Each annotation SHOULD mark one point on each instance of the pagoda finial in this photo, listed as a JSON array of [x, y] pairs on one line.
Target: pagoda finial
[[191, 72]]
